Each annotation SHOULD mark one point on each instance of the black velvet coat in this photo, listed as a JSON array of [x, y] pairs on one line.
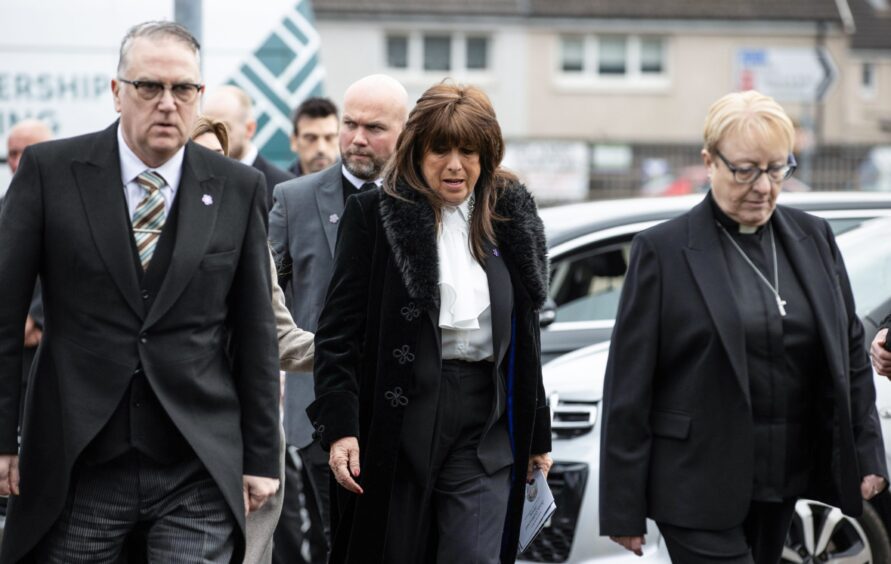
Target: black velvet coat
[[377, 316]]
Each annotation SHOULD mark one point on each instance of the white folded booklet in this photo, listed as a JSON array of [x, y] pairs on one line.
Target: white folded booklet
[[538, 507]]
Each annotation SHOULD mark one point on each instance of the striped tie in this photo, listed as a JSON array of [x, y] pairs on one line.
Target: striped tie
[[148, 220]]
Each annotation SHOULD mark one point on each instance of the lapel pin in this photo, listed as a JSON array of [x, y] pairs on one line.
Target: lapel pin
[[333, 218], [495, 252], [207, 199]]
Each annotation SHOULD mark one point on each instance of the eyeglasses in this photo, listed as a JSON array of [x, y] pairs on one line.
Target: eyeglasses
[[748, 175], [184, 92]]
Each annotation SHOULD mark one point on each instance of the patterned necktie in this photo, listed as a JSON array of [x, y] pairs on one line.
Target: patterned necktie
[[148, 220]]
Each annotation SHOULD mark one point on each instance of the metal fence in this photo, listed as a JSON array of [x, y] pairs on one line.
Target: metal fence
[[676, 169]]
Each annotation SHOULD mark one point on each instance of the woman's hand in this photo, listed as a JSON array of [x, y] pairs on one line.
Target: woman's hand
[[634, 544], [872, 486], [541, 461], [344, 462], [881, 359]]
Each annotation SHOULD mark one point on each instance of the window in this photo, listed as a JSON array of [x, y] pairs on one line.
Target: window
[[572, 54], [586, 286], [477, 53], [397, 51], [614, 58], [868, 80], [651, 55], [437, 52], [611, 55]]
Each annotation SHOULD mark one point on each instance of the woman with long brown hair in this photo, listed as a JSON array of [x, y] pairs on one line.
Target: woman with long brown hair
[[428, 376]]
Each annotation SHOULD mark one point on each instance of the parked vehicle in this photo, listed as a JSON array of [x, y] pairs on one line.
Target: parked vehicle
[[590, 242], [819, 533]]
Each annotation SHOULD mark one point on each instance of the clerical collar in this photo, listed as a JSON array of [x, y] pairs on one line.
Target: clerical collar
[[729, 223]]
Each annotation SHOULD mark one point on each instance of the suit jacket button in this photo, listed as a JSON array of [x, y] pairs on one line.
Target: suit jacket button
[[143, 338], [145, 294]]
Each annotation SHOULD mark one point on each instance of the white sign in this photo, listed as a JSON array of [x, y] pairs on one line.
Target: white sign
[[552, 170], [789, 74]]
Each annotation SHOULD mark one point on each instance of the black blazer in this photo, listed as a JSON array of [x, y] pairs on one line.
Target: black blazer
[[273, 174], [65, 219], [378, 355], [677, 433]]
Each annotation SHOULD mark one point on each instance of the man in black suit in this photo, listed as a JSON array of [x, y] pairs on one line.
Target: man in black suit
[[232, 106], [154, 401]]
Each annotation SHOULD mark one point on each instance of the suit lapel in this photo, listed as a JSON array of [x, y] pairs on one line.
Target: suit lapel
[[194, 227], [329, 198], [705, 256], [501, 298], [98, 179], [805, 258]]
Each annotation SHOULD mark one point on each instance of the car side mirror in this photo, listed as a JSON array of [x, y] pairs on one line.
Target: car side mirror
[[548, 313]]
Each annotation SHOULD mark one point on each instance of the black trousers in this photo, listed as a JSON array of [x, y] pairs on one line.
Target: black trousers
[[759, 539], [177, 509], [458, 514]]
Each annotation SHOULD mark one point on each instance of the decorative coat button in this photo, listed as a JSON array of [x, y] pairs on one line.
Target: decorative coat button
[[403, 354], [396, 397], [410, 312]]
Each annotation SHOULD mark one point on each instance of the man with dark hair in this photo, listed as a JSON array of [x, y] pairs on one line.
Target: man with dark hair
[[232, 106], [314, 140], [153, 404]]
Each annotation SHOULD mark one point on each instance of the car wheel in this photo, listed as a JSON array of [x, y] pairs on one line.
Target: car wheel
[[821, 533]]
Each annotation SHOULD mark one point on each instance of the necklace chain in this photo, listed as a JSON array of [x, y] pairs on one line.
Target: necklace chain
[[775, 287]]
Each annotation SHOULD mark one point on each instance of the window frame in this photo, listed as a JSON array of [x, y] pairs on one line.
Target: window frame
[[634, 78]]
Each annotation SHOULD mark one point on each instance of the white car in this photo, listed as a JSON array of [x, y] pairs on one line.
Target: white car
[[574, 384]]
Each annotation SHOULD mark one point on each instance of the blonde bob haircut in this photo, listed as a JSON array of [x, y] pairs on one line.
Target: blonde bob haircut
[[205, 124], [445, 117], [747, 114]]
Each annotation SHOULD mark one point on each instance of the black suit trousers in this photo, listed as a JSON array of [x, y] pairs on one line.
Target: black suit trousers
[[758, 540], [458, 516]]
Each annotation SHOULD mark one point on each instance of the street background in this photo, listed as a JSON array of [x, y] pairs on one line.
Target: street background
[[597, 99]]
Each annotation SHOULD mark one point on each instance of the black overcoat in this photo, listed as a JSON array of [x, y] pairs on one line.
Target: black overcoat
[[381, 305], [677, 431], [66, 219]]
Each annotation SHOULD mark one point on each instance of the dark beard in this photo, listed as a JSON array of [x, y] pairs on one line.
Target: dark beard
[[370, 171]]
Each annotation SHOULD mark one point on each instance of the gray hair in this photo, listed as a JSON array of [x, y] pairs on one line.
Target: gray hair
[[170, 30]]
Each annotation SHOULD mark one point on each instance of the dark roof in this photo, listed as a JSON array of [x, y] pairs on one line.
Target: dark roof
[[810, 10], [417, 7], [873, 26], [807, 10]]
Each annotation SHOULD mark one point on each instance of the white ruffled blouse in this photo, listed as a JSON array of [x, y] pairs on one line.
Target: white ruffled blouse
[[464, 314]]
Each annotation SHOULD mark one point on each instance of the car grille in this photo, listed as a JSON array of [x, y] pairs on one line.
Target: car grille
[[553, 543], [571, 418]]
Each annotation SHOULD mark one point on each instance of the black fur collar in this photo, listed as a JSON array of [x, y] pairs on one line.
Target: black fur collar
[[410, 228]]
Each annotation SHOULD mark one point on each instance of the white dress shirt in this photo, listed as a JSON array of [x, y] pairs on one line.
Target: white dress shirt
[[131, 167], [356, 181], [465, 315], [250, 155]]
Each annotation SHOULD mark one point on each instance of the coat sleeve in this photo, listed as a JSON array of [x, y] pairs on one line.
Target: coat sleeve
[[279, 238], [255, 354], [864, 415], [295, 346], [627, 397], [21, 243], [335, 412], [541, 432]]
